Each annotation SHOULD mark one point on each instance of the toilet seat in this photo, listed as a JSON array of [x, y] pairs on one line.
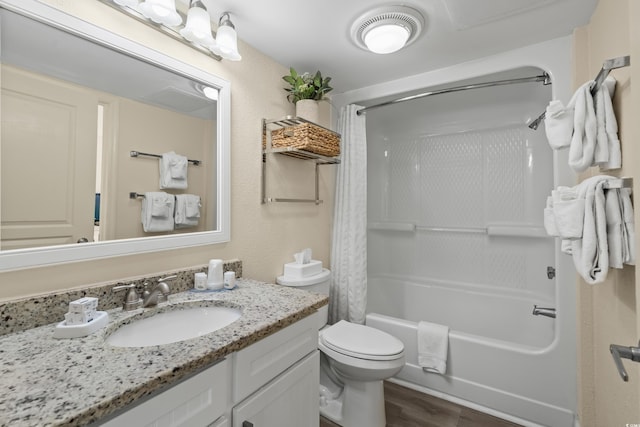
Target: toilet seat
[[362, 342]]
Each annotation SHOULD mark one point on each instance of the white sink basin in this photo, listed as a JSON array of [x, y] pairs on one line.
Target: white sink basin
[[173, 326]]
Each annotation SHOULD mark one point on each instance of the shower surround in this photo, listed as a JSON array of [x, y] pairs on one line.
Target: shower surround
[[456, 187]]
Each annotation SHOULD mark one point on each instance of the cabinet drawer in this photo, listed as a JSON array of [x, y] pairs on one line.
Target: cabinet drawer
[[290, 400], [259, 363], [194, 402]]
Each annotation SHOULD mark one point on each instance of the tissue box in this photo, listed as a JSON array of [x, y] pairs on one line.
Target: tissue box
[[298, 271], [83, 305]]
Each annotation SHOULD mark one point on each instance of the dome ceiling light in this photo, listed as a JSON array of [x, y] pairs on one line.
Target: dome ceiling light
[[387, 29]]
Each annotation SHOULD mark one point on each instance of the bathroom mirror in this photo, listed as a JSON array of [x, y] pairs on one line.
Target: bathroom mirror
[[77, 103]]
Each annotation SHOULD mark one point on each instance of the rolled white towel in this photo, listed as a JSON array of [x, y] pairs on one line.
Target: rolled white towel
[[558, 124]]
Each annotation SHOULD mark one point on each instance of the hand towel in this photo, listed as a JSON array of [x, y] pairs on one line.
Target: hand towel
[[157, 211], [558, 124], [173, 171], [608, 154], [550, 219], [187, 210], [583, 142], [433, 346]]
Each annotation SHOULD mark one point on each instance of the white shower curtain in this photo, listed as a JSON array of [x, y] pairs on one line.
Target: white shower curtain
[[348, 298]]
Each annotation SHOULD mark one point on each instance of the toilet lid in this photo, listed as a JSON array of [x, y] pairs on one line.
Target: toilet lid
[[361, 341]]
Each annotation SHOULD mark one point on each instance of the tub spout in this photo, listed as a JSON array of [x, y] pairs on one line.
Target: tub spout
[[544, 311]]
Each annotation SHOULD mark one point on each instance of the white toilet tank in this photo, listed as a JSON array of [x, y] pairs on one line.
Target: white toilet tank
[[318, 283]]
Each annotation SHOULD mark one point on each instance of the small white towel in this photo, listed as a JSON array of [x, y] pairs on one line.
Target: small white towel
[[629, 229], [583, 142], [568, 211], [433, 346], [157, 211], [187, 210], [558, 124], [173, 171]]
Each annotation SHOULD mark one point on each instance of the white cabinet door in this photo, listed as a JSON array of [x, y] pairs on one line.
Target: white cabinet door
[[194, 402], [290, 400]]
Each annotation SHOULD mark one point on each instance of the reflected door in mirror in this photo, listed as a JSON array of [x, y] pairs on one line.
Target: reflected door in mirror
[[48, 151]]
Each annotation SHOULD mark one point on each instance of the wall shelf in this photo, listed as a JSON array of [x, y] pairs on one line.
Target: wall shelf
[[268, 126]]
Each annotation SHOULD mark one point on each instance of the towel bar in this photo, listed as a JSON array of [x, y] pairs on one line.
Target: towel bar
[[607, 66], [158, 156], [134, 195]]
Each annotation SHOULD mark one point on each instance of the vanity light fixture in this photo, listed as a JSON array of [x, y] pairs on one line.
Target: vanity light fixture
[[198, 27], [162, 15], [227, 39], [161, 12], [387, 29]]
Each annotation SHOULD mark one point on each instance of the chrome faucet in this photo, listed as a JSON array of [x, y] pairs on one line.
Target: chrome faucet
[[158, 294], [544, 311]]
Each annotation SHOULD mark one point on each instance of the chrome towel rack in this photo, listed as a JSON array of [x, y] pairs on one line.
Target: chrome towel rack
[[607, 66], [158, 156]]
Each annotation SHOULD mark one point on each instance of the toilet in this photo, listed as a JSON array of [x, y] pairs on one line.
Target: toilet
[[355, 360]]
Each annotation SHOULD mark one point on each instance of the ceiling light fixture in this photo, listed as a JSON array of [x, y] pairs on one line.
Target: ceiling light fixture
[[387, 29], [162, 15]]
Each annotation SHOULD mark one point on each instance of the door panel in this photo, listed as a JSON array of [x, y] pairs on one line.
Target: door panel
[[48, 152]]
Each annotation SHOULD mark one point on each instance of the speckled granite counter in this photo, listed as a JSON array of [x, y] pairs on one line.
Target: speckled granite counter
[[46, 381]]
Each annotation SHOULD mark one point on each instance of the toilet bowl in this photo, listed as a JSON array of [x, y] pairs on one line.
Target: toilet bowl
[[355, 360]]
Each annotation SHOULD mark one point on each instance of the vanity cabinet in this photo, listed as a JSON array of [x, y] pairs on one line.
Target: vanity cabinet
[[276, 380], [271, 383], [200, 400], [286, 127]]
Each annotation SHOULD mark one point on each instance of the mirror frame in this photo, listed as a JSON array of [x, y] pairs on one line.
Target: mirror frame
[[36, 257]]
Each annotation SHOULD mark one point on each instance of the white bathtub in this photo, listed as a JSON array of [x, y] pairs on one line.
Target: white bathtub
[[501, 358]]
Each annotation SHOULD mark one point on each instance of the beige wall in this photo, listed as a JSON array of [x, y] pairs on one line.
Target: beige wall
[[262, 236], [607, 313]]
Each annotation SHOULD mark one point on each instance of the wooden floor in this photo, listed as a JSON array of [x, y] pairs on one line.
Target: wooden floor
[[409, 408]]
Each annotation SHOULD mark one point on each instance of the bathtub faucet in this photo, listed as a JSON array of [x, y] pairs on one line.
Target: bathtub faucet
[[544, 311]]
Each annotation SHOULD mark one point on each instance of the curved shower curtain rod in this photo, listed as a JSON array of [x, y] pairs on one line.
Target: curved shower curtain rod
[[544, 78]]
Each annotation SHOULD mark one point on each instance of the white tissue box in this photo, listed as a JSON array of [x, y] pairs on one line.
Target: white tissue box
[[297, 271], [83, 305]]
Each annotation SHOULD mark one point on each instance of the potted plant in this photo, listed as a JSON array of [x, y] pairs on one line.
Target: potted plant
[[305, 90]]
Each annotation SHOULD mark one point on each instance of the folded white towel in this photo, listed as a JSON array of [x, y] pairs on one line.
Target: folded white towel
[[568, 210], [187, 210], [173, 171], [558, 124], [629, 230], [583, 142], [433, 346], [157, 211], [608, 154], [591, 252], [550, 219], [615, 234]]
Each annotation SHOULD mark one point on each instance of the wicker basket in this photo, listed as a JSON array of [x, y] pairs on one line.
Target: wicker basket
[[308, 137]]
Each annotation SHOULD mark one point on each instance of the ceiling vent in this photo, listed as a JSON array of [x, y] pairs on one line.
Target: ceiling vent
[[387, 29]]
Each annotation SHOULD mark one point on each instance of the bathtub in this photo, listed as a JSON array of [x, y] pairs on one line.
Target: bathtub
[[501, 359]]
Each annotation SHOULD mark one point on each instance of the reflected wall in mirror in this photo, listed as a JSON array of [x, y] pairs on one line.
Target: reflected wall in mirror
[[76, 101]]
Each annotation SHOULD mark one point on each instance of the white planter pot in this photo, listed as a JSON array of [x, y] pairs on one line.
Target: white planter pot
[[308, 109]]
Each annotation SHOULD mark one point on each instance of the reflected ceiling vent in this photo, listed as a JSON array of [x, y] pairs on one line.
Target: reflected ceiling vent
[[387, 29]]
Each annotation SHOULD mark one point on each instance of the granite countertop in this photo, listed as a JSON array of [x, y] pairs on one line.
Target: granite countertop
[[48, 382]]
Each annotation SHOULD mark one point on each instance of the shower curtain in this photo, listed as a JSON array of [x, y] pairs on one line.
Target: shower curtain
[[348, 297]]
